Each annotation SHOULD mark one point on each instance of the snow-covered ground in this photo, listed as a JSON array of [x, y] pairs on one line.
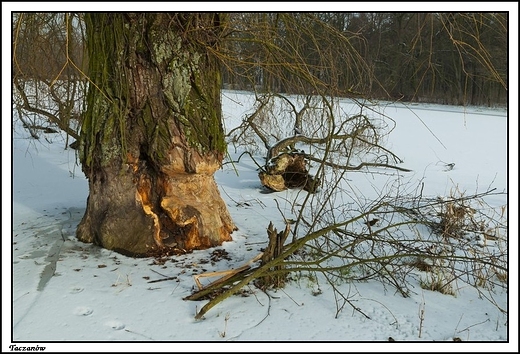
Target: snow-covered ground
[[65, 291]]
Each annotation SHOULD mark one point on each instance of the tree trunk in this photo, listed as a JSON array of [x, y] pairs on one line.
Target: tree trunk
[[288, 170], [152, 136]]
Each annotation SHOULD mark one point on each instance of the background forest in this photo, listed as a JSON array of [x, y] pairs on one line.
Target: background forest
[[416, 57], [447, 58]]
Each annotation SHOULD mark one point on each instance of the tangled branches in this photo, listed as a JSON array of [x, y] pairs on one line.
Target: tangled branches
[[399, 241], [297, 131]]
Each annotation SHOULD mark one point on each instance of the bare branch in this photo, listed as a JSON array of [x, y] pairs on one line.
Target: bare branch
[[51, 117]]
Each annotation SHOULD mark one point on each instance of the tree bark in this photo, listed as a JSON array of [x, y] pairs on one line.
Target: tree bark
[[152, 136]]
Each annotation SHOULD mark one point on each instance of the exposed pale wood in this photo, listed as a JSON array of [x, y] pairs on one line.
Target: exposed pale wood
[[226, 273]]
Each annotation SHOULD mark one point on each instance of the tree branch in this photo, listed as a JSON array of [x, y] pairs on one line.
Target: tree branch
[[51, 117], [284, 143]]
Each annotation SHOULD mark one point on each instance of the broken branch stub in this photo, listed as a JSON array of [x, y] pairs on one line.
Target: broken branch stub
[[274, 250]]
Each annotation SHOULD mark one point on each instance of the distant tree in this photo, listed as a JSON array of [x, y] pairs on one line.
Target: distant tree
[[450, 58], [48, 59]]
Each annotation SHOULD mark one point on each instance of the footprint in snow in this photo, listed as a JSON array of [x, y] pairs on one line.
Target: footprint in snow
[[76, 289], [83, 311], [116, 325]]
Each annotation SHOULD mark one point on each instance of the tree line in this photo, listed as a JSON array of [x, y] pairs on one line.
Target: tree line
[[447, 58]]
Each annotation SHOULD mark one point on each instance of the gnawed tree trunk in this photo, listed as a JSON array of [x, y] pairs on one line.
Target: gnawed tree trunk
[[288, 170], [152, 135]]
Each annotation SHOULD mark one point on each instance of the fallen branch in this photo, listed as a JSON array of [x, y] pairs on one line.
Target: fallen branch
[[159, 280], [358, 167], [227, 274]]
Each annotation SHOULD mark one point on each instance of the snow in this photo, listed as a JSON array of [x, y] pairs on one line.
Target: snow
[[65, 291]]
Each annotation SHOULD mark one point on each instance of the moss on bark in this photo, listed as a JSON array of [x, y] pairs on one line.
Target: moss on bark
[[146, 73], [153, 113]]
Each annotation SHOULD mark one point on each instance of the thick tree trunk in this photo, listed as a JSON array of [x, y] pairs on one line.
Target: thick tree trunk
[[152, 136]]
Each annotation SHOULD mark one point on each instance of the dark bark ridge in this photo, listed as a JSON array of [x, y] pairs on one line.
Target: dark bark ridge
[[152, 137]]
